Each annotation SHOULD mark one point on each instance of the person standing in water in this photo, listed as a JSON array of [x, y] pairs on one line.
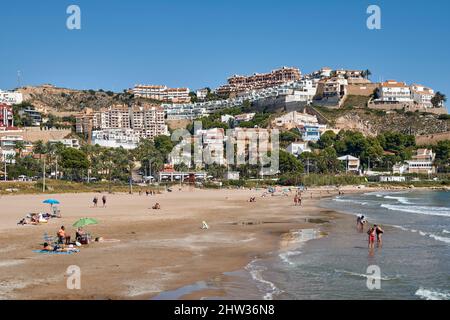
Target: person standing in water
[[371, 233], [104, 200], [379, 232]]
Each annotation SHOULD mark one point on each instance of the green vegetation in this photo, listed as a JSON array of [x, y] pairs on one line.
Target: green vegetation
[[355, 102], [383, 151], [438, 99]]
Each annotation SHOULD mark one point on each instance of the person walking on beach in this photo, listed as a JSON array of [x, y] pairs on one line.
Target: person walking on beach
[[379, 233], [299, 199], [295, 200], [104, 200], [371, 233], [95, 201]]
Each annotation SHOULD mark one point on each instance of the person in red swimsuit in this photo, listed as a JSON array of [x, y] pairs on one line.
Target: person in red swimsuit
[[372, 235]]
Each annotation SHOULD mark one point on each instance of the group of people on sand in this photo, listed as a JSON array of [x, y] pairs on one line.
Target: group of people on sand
[[95, 201], [37, 218], [374, 233], [150, 192], [63, 240]]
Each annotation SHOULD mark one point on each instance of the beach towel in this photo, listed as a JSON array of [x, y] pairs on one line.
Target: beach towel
[[54, 252]]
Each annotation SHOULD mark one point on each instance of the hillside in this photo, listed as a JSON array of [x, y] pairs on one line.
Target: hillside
[[352, 116], [371, 122], [62, 101]]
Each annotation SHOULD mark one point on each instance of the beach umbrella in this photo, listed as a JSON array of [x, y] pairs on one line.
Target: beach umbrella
[[51, 201], [84, 222]]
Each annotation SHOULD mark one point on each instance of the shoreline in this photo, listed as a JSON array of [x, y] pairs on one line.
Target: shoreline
[[157, 250]]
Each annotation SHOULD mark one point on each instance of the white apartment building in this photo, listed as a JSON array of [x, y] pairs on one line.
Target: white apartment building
[[179, 155], [244, 117], [335, 86], [68, 143], [422, 95], [293, 119], [162, 93], [226, 118], [201, 93], [392, 91], [325, 72], [115, 138], [212, 143], [350, 74], [422, 163], [297, 148], [10, 97], [146, 120], [114, 117], [184, 111], [149, 119], [304, 90]]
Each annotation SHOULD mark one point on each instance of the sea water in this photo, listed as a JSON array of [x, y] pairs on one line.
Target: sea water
[[414, 259]]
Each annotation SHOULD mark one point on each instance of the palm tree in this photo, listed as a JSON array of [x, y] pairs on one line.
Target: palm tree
[[366, 74], [39, 148], [20, 146]]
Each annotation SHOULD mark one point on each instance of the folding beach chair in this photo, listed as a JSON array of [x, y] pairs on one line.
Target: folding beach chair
[[50, 239]]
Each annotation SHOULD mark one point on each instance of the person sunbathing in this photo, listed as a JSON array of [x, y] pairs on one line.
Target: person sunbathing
[[47, 247], [23, 221]]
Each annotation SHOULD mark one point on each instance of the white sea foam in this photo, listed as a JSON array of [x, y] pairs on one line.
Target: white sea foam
[[425, 234], [431, 211], [439, 238], [284, 256], [445, 231], [402, 200], [428, 294], [364, 203], [269, 287]]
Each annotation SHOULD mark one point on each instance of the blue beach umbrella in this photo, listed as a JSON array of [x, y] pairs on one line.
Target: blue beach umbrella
[[51, 201]]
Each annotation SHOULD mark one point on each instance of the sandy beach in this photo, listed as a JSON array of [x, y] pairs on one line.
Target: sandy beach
[[148, 251]]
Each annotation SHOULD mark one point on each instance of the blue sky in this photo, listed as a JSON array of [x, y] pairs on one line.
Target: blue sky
[[201, 43]]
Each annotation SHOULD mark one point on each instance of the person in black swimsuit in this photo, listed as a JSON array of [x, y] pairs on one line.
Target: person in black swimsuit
[[379, 233]]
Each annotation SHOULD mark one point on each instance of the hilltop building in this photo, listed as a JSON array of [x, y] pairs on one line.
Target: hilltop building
[[239, 84], [162, 93], [394, 92], [422, 95]]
